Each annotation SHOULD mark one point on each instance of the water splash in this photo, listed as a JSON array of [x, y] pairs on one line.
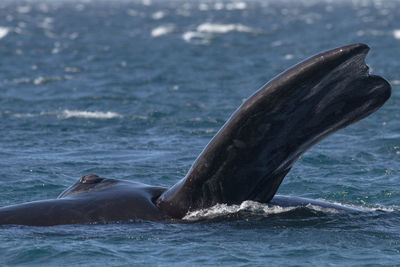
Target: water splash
[[261, 210], [223, 210]]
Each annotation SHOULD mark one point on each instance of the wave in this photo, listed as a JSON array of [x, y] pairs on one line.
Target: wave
[[66, 114], [205, 31], [162, 30], [196, 37], [3, 32], [44, 80], [396, 34], [236, 6], [23, 115], [158, 15], [221, 5], [395, 82], [223, 28]]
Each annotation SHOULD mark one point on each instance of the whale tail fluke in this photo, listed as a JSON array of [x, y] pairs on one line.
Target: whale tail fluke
[[251, 154]]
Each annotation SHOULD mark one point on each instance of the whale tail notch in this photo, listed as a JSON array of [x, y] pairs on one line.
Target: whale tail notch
[[255, 149]]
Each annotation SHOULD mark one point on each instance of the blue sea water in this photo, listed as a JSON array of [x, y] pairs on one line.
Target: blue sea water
[[135, 89]]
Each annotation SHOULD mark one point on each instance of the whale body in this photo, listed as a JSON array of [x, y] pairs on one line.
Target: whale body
[[246, 160]]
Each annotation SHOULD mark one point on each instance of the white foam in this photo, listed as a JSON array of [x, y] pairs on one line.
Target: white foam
[[223, 210], [395, 82], [42, 80], [322, 209], [289, 56], [196, 37], [162, 30], [219, 6], [236, 6], [223, 28], [3, 32], [396, 34], [276, 43], [66, 114], [73, 35], [376, 207], [47, 23], [261, 209], [23, 115], [146, 2], [203, 7], [21, 80], [204, 32], [158, 15]]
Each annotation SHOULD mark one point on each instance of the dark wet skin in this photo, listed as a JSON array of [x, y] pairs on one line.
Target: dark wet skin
[[90, 200]]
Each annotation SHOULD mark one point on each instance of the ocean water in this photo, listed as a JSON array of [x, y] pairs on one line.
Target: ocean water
[[135, 89]]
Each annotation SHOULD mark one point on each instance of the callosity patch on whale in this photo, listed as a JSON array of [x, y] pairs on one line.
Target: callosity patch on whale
[[246, 160]]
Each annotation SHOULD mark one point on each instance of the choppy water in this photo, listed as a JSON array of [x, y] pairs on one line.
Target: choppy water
[[135, 89]]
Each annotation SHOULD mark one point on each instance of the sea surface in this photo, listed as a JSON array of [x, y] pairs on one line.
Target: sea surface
[[134, 90]]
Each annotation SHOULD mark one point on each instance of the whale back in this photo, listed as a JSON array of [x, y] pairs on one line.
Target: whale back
[[91, 199], [251, 154]]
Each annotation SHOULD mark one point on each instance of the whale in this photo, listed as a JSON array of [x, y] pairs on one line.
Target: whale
[[248, 157]]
